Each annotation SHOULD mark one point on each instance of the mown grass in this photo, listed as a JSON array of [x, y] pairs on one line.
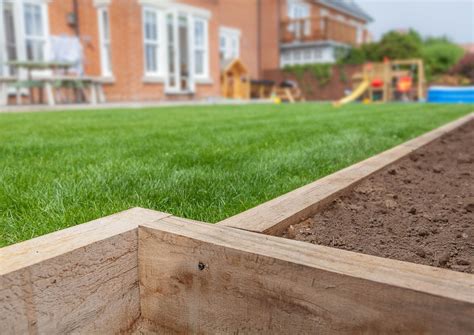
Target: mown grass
[[59, 169]]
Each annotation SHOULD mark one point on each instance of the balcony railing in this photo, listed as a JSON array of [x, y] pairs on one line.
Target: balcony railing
[[312, 29]]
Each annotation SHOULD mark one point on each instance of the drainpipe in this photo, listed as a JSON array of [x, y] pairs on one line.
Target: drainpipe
[[80, 96], [259, 42], [75, 6], [278, 27]]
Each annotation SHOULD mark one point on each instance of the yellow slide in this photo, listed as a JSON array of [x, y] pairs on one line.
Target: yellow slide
[[354, 95]]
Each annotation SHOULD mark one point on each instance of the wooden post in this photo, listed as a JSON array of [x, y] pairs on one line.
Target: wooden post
[[93, 90], [3, 93], [421, 80], [18, 96], [49, 93], [101, 95]]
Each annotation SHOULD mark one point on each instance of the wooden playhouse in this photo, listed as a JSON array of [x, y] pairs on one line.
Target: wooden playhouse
[[235, 79]]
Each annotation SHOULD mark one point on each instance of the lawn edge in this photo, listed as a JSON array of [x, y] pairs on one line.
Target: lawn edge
[[276, 215]]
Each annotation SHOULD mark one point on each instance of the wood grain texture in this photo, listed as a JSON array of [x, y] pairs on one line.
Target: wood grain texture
[[79, 280], [253, 283], [274, 216]]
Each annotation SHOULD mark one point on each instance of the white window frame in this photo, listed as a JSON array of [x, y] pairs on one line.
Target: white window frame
[[105, 61], [204, 48], [3, 43], [20, 30], [160, 44], [33, 38], [194, 14], [20, 38], [298, 10], [229, 35], [288, 57]]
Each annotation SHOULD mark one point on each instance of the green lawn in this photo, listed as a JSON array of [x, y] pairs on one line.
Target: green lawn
[[206, 163]]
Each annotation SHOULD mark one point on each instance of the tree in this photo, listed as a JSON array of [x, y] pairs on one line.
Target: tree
[[440, 55], [398, 45]]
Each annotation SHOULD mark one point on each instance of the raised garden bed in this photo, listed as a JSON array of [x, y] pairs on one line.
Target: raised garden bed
[[143, 271], [420, 209]]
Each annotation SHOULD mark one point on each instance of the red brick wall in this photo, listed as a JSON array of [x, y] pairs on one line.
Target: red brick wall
[[127, 43], [310, 86], [270, 14], [242, 14], [258, 21]]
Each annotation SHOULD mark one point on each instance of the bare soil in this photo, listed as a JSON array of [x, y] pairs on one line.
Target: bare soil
[[420, 209]]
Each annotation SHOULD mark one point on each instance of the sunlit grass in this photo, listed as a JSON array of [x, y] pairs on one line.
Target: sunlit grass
[[60, 169]]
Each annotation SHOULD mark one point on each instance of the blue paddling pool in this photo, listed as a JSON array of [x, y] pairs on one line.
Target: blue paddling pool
[[446, 94]]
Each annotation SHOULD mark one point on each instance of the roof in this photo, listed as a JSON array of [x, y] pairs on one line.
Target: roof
[[228, 64], [349, 7]]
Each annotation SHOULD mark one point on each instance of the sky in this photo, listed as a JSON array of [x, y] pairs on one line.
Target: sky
[[453, 18]]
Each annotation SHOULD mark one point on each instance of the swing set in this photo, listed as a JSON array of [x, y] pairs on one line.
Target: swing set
[[390, 80]]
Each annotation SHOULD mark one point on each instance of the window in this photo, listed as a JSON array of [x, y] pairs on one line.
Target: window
[[152, 42], [10, 47], [229, 45], [35, 39], [317, 54], [175, 46], [298, 10], [297, 56], [23, 31], [324, 17], [301, 56], [201, 68], [104, 36]]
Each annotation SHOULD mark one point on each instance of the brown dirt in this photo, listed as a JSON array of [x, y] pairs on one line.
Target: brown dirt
[[420, 209]]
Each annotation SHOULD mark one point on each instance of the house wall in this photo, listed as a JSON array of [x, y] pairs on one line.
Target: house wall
[[342, 29], [270, 16], [127, 48], [257, 20], [312, 90], [242, 15]]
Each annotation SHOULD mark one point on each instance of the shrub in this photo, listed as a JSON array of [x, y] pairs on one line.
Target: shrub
[[322, 72], [394, 45], [465, 67], [297, 70], [440, 56], [354, 56]]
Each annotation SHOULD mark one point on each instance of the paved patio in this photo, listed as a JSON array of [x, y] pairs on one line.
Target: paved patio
[[129, 105]]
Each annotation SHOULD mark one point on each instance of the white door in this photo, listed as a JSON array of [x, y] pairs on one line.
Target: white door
[[179, 38]]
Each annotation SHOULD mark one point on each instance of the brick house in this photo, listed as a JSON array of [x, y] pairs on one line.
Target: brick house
[[169, 49]]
